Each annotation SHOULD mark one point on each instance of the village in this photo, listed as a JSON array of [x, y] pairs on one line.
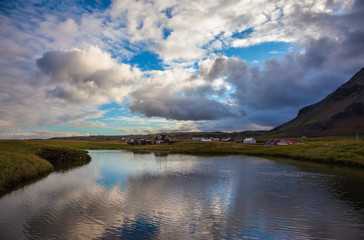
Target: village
[[165, 139]]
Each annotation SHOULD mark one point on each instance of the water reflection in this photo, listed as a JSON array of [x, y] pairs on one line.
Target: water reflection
[[122, 195]]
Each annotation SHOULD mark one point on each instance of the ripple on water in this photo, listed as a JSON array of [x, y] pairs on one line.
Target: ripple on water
[[125, 196]]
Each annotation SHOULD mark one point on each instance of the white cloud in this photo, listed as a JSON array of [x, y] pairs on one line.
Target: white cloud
[[25, 105], [89, 75], [90, 124], [24, 134], [82, 56], [137, 130], [181, 127]]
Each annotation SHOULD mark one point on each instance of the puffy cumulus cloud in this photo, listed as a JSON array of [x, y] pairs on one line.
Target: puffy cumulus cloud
[[176, 30], [25, 105], [272, 94], [178, 102], [181, 108], [180, 94], [187, 31], [89, 75], [220, 66], [223, 93]]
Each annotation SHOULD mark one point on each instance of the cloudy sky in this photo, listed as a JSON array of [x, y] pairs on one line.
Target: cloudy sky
[[125, 67]]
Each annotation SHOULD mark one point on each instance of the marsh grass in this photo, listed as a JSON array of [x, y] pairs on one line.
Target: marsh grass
[[345, 152], [18, 165], [20, 160]]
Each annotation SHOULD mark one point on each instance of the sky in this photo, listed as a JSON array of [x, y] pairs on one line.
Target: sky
[[78, 68]]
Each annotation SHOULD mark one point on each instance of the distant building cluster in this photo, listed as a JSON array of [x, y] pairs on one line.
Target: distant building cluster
[[211, 139], [160, 139], [278, 142]]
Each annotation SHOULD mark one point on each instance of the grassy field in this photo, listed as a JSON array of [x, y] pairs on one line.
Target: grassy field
[[344, 152], [20, 161]]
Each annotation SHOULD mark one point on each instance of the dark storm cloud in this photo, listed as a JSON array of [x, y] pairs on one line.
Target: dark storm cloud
[[182, 108], [55, 63], [222, 66], [273, 94], [298, 78]]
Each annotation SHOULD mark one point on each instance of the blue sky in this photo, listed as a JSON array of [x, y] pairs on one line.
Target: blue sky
[[137, 67]]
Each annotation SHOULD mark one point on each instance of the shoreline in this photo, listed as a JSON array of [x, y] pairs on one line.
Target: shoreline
[[22, 163], [24, 160]]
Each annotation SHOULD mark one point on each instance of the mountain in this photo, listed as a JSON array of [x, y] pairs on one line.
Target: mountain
[[341, 112]]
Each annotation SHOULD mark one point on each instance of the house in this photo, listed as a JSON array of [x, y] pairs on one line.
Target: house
[[206, 140], [289, 142], [161, 138], [249, 140], [226, 140], [281, 142], [278, 142]]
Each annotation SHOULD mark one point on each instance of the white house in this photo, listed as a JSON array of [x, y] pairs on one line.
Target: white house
[[249, 140], [206, 140]]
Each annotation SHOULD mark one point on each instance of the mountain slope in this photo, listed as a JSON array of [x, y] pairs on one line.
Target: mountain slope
[[341, 112]]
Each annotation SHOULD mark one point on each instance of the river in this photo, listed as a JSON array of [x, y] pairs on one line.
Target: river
[[123, 195]]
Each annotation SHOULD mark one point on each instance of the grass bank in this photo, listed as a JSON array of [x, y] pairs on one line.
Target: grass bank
[[344, 152], [20, 159]]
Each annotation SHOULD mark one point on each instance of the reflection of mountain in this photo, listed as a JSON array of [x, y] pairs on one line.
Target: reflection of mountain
[[341, 112]]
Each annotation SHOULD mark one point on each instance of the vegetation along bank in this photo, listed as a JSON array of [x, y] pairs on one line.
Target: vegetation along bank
[[21, 160]]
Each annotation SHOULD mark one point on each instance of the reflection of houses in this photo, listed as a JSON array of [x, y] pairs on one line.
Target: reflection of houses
[[161, 138], [249, 140]]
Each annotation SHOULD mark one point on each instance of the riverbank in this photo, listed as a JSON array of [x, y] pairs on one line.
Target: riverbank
[[343, 152], [21, 160]]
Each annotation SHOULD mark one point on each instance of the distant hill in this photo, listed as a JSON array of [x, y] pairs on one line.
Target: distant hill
[[341, 112], [177, 135]]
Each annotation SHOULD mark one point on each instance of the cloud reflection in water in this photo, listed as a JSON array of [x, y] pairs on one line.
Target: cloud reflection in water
[[121, 195]]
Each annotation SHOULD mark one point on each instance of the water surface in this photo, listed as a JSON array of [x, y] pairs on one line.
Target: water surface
[[121, 195]]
